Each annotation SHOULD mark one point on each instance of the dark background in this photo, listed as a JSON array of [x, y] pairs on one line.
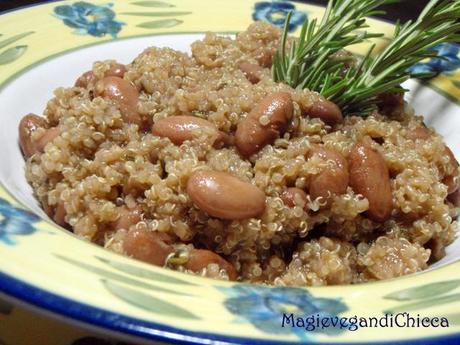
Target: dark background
[[404, 10]]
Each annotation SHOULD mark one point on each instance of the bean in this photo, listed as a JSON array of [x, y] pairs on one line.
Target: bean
[[149, 246], [325, 110], [59, 214], [49, 210], [418, 133], [84, 79], [251, 71], [264, 56], [201, 258], [438, 249], [185, 127], [251, 135], [124, 93], [49, 135], [224, 196], [116, 70], [127, 217], [331, 181], [294, 196], [346, 57], [451, 181], [369, 176], [29, 124], [154, 247], [454, 198], [388, 102], [224, 139]]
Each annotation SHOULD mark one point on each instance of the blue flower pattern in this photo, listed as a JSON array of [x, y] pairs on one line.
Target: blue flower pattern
[[89, 19], [264, 307], [448, 60], [15, 221], [275, 12]]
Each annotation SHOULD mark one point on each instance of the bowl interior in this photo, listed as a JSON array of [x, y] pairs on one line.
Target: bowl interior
[[29, 91]]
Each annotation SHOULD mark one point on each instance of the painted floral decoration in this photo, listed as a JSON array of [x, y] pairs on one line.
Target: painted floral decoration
[[15, 221], [86, 18], [264, 307], [448, 60], [275, 12]]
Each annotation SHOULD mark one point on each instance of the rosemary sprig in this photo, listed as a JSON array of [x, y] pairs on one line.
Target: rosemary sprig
[[356, 92], [307, 61], [411, 42]]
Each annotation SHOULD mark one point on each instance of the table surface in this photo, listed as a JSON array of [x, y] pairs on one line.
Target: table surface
[[39, 330]]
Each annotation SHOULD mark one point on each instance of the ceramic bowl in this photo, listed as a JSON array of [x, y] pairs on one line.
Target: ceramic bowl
[[47, 46]]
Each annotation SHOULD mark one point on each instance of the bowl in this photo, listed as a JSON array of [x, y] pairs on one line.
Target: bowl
[[46, 267]]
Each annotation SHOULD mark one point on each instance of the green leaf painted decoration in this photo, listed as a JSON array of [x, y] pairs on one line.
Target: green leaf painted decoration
[[118, 277], [424, 291], [15, 38], [152, 4], [456, 83], [12, 54], [147, 302], [427, 303], [159, 24], [454, 319], [157, 14], [143, 273]]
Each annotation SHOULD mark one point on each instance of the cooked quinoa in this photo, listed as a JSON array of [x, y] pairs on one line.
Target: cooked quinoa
[[121, 185]]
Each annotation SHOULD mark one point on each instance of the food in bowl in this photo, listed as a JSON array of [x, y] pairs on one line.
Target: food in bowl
[[205, 164]]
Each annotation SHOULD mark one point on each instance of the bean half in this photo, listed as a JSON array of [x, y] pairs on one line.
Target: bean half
[[370, 177], [225, 196], [266, 122]]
